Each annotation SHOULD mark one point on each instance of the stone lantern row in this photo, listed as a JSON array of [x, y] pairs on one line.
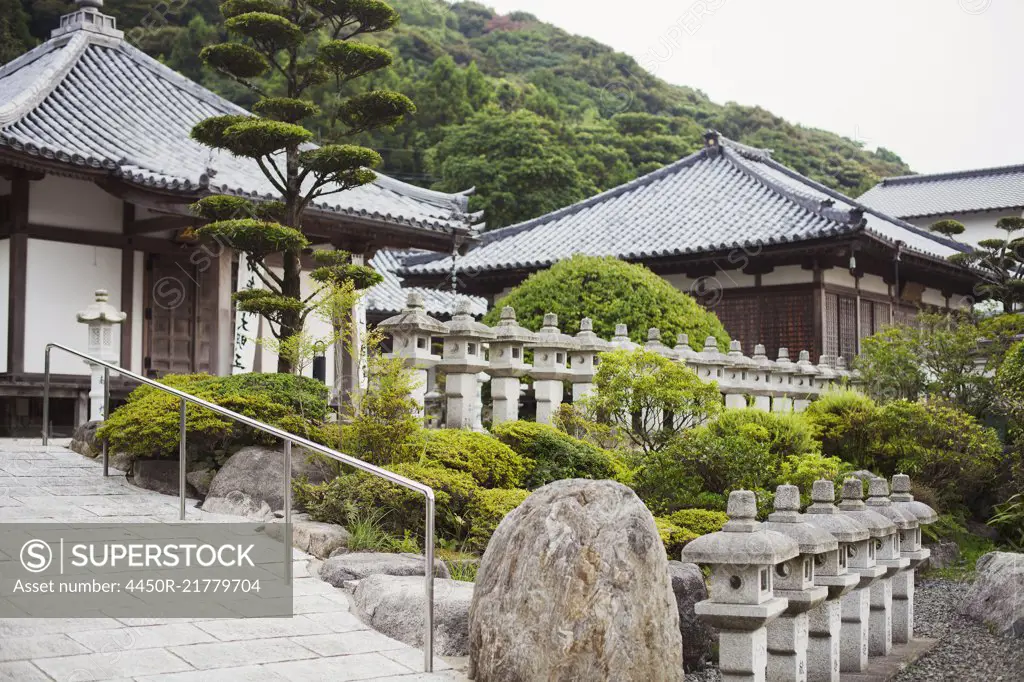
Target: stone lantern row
[[808, 596], [474, 353]]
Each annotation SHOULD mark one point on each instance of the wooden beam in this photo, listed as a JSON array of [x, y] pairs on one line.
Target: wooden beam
[[158, 224], [109, 239], [127, 293], [17, 272]]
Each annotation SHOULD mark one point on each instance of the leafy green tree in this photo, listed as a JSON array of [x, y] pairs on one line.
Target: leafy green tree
[[15, 36], [271, 36], [999, 262]]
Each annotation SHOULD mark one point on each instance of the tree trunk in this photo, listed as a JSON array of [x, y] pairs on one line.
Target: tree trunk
[[292, 287]]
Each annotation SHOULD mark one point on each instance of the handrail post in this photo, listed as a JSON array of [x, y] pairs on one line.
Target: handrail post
[[181, 461], [428, 636], [46, 396], [106, 415], [287, 512]]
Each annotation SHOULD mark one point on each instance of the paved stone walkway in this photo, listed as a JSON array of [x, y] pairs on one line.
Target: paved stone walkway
[[323, 641]]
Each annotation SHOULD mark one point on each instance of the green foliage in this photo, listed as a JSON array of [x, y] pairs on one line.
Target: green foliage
[[699, 521], [1000, 333], [241, 60], [374, 109], [463, 570], [491, 463], [255, 237], [272, 32], [649, 398], [673, 537], [384, 428], [287, 109], [843, 421], [952, 528], [610, 292], [999, 264], [803, 470], [366, 533], [949, 228], [256, 138], [147, 424], [222, 207], [889, 365], [487, 510], [1009, 520], [1010, 382], [15, 37], [554, 455]]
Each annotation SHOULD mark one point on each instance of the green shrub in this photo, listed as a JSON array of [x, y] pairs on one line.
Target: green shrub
[[491, 463], [785, 435], [1000, 331], [610, 292], [384, 427], [147, 424], [699, 521], [554, 455], [673, 537], [803, 470], [487, 510], [843, 421], [1010, 382]]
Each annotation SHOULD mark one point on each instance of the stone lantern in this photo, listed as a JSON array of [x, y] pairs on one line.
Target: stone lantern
[[507, 366], [550, 356], [825, 622], [910, 541], [101, 317], [857, 606], [684, 351], [655, 345], [782, 382], [826, 375], [804, 381], [742, 557], [761, 376], [794, 580], [585, 359], [412, 331], [464, 358], [709, 363], [735, 380], [621, 340], [896, 560]]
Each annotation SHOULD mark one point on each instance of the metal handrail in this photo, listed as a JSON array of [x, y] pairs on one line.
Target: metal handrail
[[288, 438]]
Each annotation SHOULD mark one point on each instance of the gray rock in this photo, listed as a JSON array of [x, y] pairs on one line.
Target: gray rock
[[396, 605], [200, 480], [121, 461], [161, 475], [253, 478], [690, 588], [313, 537], [358, 565], [997, 595], [84, 441], [575, 585], [943, 555]]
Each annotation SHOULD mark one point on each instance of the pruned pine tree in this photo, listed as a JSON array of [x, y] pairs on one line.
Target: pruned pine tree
[[999, 262], [282, 50]]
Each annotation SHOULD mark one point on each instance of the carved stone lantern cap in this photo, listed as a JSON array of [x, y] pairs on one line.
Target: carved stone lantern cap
[[878, 500], [786, 519], [901, 496], [101, 311], [853, 505], [805, 366], [621, 339], [655, 345], [784, 365], [509, 331], [550, 336], [86, 4], [587, 340], [823, 513], [760, 359], [413, 319], [735, 356], [825, 370], [710, 354], [742, 541], [463, 324], [684, 351]]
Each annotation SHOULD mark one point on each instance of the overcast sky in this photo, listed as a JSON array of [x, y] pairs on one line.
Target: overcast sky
[[939, 82]]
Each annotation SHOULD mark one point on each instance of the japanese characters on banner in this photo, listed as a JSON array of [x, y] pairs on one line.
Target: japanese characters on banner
[[246, 324]]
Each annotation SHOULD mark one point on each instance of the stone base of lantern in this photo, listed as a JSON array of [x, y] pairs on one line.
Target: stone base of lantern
[[735, 401], [903, 607], [787, 648], [763, 403], [880, 638], [823, 628], [743, 656], [885, 668], [505, 397], [461, 391], [548, 393], [782, 404], [581, 390], [853, 639]]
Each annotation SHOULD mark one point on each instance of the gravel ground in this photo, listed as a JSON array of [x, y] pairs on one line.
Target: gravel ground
[[966, 651]]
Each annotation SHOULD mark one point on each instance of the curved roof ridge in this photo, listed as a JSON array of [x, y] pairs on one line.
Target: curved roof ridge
[[951, 175], [33, 95]]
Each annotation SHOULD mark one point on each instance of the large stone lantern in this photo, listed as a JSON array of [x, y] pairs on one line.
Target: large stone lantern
[[857, 604], [742, 557], [585, 359], [782, 382], [897, 560], [100, 317], [412, 332], [710, 362], [761, 376], [736, 376], [464, 358], [910, 541], [655, 345], [684, 351], [550, 369], [794, 580], [508, 365], [825, 622], [621, 340], [805, 385], [826, 375]]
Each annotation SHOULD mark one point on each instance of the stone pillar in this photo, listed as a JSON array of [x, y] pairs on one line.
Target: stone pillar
[[550, 355], [794, 579], [621, 340], [412, 333], [737, 376], [910, 544], [889, 554], [782, 382], [684, 351], [507, 366], [585, 359], [805, 389], [742, 557], [464, 358], [762, 379], [101, 317]]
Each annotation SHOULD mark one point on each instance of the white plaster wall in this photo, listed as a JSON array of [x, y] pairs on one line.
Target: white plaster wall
[[933, 297], [138, 319], [61, 280], [978, 225], [787, 274], [873, 284], [839, 277], [5, 282], [77, 204]]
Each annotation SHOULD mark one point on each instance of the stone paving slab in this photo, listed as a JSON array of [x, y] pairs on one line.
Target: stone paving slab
[[323, 641]]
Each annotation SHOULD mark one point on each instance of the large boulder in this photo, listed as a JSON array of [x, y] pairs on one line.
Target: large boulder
[[574, 585], [689, 587], [161, 475], [943, 555], [396, 606], [84, 441], [997, 595], [251, 482], [313, 537], [358, 565]]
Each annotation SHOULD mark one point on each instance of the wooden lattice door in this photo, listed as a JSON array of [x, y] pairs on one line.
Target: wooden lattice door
[[180, 304]]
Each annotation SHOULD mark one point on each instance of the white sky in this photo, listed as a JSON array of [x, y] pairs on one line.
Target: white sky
[[939, 82]]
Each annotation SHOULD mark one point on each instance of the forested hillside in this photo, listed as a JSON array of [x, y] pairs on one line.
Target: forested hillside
[[532, 116]]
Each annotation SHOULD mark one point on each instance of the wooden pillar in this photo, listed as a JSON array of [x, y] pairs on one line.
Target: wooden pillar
[[819, 313], [18, 273], [127, 288], [223, 342]]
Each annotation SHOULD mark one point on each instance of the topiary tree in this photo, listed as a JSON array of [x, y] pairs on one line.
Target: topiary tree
[[302, 44], [610, 291], [998, 262]]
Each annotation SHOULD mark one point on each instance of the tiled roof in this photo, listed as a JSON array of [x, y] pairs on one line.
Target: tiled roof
[[92, 100], [389, 296], [915, 196], [738, 197]]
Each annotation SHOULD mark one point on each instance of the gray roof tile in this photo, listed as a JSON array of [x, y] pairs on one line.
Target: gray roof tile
[[390, 297], [917, 196]]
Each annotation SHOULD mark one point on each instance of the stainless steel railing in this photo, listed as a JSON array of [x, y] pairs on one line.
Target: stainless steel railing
[[288, 438]]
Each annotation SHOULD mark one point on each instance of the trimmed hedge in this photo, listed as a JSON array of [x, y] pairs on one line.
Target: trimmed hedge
[[699, 521], [553, 455], [491, 463], [487, 510], [673, 537]]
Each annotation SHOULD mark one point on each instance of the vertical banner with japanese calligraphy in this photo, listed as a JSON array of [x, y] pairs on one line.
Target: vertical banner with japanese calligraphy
[[246, 324]]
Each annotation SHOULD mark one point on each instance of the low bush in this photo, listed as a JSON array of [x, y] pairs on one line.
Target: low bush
[[384, 427], [554, 455], [803, 470], [486, 511], [699, 521], [491, 463], [842, 421], [673, 537]]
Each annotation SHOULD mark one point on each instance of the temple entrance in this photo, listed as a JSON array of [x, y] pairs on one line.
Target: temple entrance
[[180, 310]]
